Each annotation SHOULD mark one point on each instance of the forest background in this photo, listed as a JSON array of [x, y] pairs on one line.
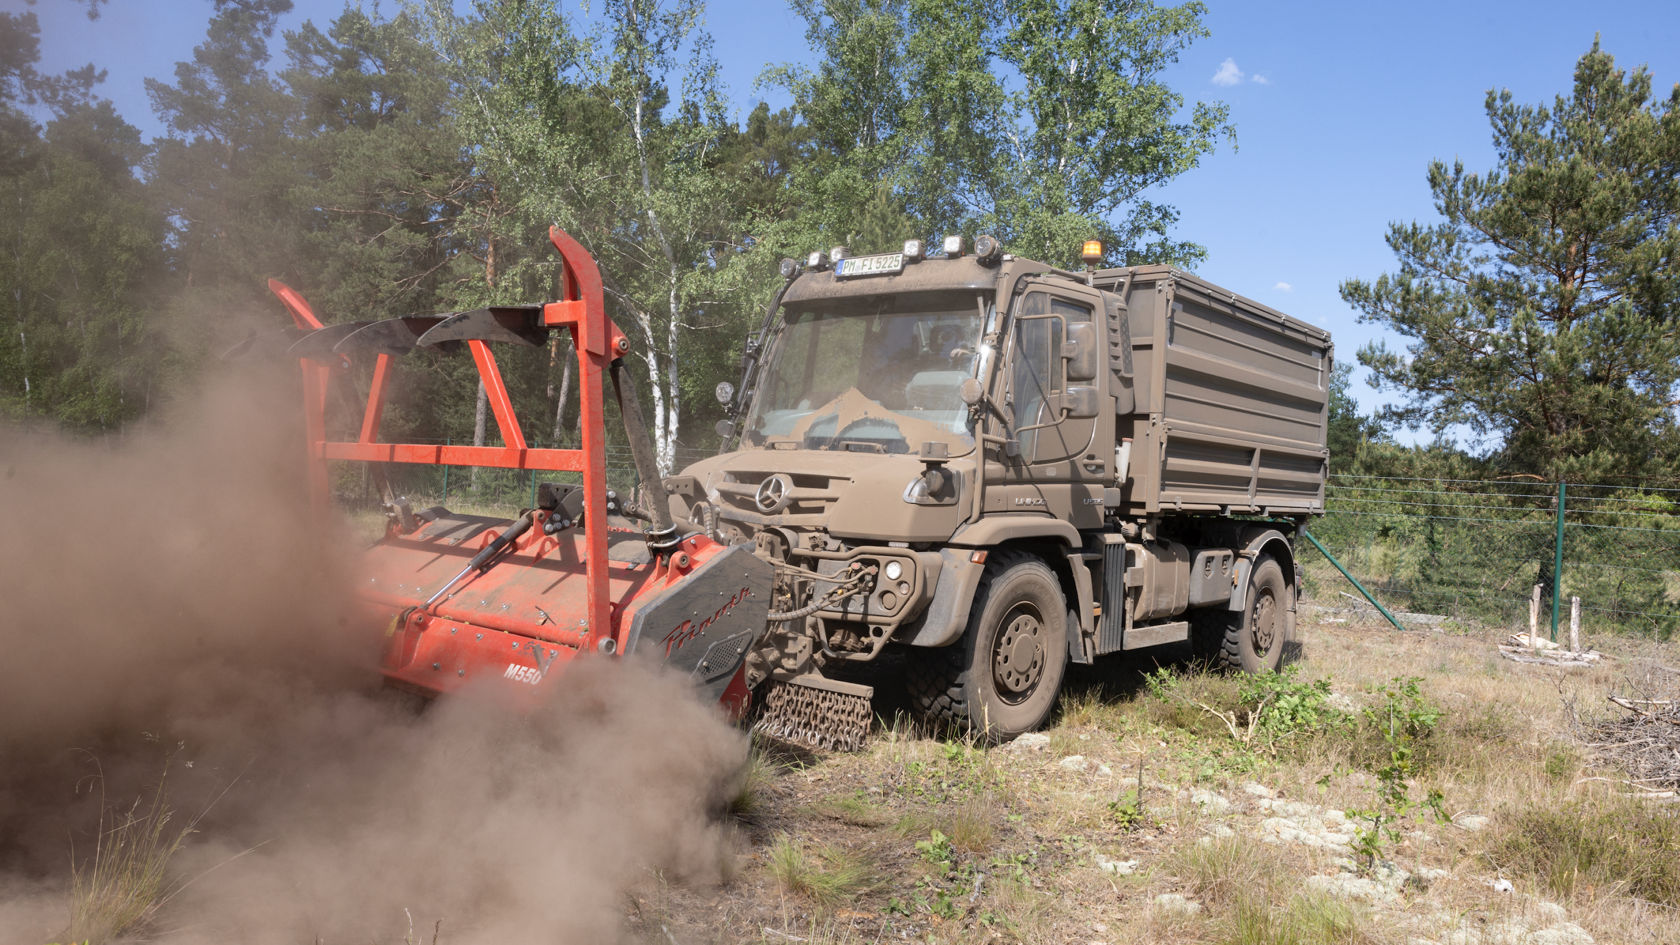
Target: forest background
[[409, 159]]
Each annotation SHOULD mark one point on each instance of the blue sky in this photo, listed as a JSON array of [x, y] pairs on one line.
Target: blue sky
[[1339, 109]]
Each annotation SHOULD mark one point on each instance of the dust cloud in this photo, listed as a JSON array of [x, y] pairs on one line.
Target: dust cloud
[[172, 616]]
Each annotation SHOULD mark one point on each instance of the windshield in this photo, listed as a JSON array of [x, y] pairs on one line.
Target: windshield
[[880, 373]]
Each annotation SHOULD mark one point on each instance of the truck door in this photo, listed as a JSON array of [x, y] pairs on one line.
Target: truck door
[[1056, 387]]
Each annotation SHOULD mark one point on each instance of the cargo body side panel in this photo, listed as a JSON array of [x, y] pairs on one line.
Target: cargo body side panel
[[1232, 400]]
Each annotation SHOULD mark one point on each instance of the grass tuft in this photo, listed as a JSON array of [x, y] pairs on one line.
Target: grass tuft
[[973, 825], [756, 776], [1225, 871], [1306, 919], [828, 877], [126, 880]]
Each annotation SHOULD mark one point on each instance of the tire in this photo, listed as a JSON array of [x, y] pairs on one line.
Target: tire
[[1002, 677], [1254, 641]]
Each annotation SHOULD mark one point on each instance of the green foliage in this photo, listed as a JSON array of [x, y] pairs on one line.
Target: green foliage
[[937, 850], [1348, 431], [1471, 546], [972, 118], [1540, 312], [1284, 709], [80, 259], [1264, 713], [1402, 721], [1126, 811]]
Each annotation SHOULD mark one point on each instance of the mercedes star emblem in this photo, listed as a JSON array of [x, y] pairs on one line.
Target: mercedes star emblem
[[774, 494]]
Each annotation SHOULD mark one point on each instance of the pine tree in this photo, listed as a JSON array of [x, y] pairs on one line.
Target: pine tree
[[1541, 311]]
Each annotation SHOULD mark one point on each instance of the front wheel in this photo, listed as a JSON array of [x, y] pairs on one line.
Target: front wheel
[[1001, 679]]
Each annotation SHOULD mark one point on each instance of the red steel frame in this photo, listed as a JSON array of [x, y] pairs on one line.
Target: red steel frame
[[597, 340]]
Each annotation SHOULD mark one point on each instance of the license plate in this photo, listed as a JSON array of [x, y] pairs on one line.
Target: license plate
[[869, 265]]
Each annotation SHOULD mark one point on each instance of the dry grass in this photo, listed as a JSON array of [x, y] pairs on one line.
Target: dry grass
[[1222, 872], [1589, 848], [972, 825], [125, 881], [1304, 919]]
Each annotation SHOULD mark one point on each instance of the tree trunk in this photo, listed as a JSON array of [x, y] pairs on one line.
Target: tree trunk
[[560, 399]]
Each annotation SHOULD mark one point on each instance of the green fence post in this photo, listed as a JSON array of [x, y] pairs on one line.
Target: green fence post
[[1557, 561]]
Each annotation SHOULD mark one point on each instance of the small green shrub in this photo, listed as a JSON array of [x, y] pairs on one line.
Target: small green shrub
[[1401, 722]]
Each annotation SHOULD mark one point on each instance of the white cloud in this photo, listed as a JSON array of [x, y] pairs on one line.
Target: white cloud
[[1228, 73], [1284, 287], [1259, 79]]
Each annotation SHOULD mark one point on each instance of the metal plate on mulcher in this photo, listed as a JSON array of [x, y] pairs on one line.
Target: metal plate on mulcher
[[706, 622]]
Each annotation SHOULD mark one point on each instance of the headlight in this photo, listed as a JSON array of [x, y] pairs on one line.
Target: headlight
[[934, 486]]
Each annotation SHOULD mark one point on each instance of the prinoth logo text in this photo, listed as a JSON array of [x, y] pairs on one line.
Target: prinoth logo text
[[688, 629]]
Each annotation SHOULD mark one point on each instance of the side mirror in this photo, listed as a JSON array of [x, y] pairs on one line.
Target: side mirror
[[725, 428], [970, 391], [1080, 351], [725, 392], [1080, 402]]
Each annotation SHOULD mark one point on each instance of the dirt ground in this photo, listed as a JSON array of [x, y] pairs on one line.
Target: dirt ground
[[1115, 825]]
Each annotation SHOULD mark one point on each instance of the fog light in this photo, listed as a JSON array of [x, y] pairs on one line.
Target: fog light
[[790, 268], [987, 249], [818, 261], [913, 250], [953, 246]]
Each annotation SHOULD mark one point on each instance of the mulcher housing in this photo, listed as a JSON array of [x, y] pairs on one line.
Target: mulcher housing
[[468, 599]]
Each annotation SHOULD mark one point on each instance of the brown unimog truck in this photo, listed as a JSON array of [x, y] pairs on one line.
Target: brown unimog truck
[[998, 467]]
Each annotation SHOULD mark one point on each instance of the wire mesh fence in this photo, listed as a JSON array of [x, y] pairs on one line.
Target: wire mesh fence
[[1476, 549], [1469, 550]]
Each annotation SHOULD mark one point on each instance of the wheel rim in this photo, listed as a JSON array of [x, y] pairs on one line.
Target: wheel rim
[[1264, 632], [1018, 654]]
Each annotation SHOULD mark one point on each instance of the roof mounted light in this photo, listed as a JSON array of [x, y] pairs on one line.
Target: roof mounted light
[[1092, 252], [987, 249], [817, 262], [838, 253], [790, 268], [953, 246], [914, 250]]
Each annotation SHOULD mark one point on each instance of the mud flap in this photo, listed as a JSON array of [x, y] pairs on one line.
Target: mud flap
[[706, 623]]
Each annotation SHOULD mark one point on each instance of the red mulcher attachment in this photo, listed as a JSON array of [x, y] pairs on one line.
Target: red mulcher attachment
[[465, 597]]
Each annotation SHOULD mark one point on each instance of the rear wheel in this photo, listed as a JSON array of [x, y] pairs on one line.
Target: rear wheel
[[1002, 677], [1251, 640]]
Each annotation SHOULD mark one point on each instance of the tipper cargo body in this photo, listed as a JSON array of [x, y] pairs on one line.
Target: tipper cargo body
[[996, 467], [1231, 400]]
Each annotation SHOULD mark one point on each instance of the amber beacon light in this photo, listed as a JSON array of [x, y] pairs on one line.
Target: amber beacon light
[[1092, 252]]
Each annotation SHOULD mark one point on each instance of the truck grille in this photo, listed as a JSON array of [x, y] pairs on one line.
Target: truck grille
[[807, 495]]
